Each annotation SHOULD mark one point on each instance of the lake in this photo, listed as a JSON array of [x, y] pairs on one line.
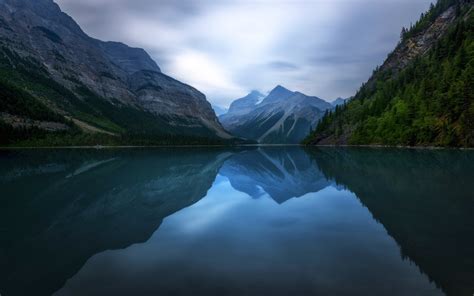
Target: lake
[[237, 221]]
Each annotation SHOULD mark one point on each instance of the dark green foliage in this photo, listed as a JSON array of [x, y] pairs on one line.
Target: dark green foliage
[[430, 102], [35, 137], [137, 121], [426, 19], [18, 102], [49, 34], [27, 90], [27, 74]]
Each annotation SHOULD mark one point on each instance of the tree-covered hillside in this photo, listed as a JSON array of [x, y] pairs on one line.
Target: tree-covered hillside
[[58, 86], [31, 98], [423, 95]]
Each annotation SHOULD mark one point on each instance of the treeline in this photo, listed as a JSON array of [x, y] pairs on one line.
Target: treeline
[[426, 19], [35, 137], [430, 102], [18, 102]]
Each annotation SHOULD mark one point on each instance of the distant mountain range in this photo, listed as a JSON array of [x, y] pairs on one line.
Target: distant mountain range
[[219, 110], [281, 117], [422, 95], [60, 86]]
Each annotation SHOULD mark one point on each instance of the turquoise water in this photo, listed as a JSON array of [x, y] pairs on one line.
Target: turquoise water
[[243, 221]]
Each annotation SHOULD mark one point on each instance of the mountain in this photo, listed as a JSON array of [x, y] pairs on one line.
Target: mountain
[[60, 86], [283, 116], [244, 105], [219, 110], [423, 94], [338, 102], [282, 176]]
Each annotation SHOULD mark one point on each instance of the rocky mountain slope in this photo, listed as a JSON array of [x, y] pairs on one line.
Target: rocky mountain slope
[[52, 72], [423, 94], [282, 117]]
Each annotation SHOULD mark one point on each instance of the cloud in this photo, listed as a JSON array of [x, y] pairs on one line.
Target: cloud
[[326, 48], [282, 66], [200, 71]]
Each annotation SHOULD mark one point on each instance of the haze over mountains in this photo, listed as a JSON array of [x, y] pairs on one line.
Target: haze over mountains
[[281, 117], [219, 110]]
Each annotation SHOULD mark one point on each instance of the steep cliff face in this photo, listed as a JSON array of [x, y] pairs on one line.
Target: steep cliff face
[[419, 44], [128, 59], [38, 32], [246, 104], [282, 117], [423, 93]]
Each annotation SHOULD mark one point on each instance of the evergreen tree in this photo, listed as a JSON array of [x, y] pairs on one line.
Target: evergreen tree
[[429, 102]]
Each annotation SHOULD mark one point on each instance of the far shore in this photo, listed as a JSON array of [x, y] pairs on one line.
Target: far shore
[[99, 147]]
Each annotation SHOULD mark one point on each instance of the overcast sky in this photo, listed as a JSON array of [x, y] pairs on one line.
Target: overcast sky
[[224, 48]]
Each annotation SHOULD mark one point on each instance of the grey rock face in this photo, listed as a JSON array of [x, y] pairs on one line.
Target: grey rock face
[[20, 122], [281, 117], [418, 45], [278, 94], [246, 104], [39, 30], [128, 59]]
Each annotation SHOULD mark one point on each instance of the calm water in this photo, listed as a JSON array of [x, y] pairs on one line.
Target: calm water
[[267, 221]]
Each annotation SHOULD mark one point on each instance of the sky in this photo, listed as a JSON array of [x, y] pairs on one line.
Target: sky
[[324, 48]]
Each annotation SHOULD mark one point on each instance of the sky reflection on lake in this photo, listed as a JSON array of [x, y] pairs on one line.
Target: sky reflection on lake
[[267, 221]]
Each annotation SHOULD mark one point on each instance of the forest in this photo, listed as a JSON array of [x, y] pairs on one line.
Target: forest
[[28, 91], [428, 103]]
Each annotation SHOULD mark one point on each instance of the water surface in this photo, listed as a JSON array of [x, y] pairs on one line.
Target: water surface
[[257, 221]]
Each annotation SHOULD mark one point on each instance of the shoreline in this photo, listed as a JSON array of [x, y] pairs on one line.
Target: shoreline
[[100, 147], [397, 147]]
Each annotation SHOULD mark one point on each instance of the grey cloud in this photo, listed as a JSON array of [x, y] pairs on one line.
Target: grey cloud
[[158, 8], [328, 54], [282, 66]]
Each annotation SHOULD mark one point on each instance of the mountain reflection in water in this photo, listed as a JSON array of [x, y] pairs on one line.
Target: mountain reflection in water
[[201, 221]]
